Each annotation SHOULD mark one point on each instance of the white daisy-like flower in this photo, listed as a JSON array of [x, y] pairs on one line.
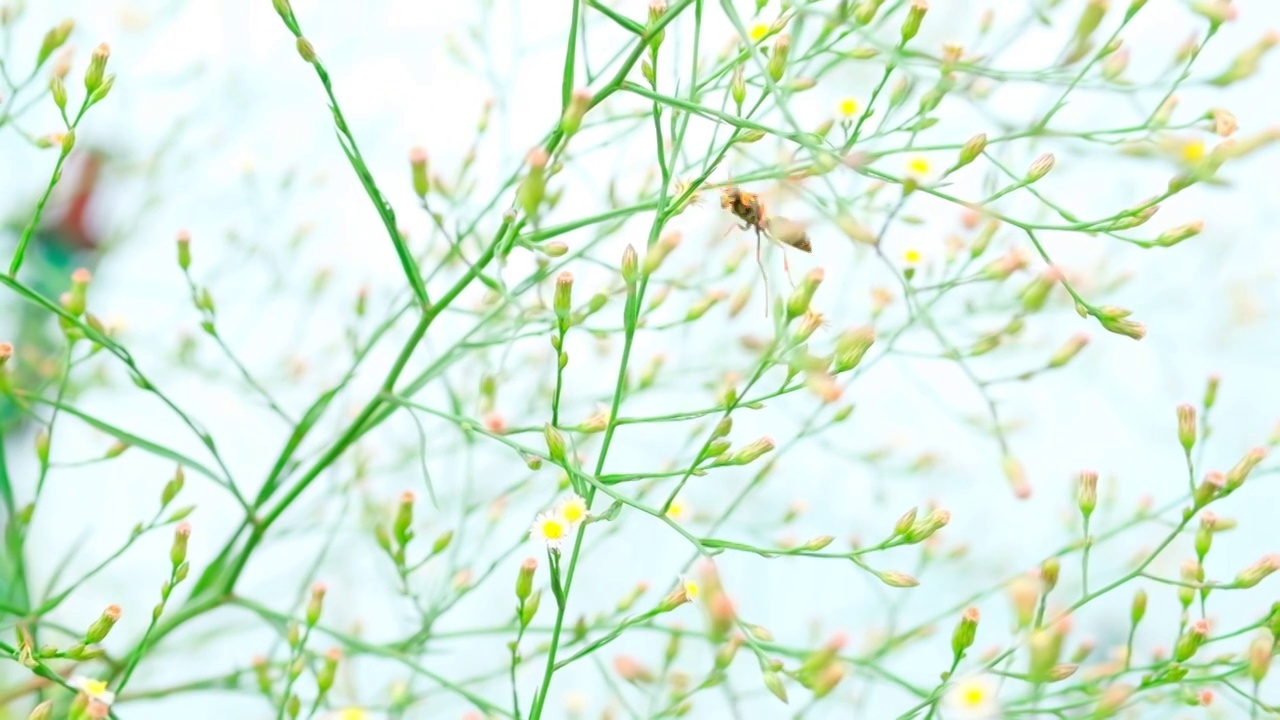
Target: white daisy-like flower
[[972, 698], [95, 690], [573, 510], [551, 529], [692, 589]]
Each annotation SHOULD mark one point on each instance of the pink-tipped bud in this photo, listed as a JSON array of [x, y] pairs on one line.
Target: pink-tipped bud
[[1039, 168], [98, 631], [1186, 426], [1240, 471], [1258, 571], [316, 603], [97, 67], [418, 171], [1087, 492], [524, 578], [966, 630], [178, 551]]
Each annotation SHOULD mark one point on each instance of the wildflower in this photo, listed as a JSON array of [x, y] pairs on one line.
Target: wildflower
[[573, 509], [972, 698], [351, 713], [1193, 151], [848, 107], [691, 588], [551, 528], [911, 256], [758, 31], [95, 690]]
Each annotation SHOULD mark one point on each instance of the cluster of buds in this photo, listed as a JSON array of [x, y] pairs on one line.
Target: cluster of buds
[[822, 670]]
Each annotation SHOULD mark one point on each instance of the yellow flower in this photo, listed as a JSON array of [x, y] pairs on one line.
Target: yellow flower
[[1193, 151], [911, 256], [573, 509], [758, 31], [972, 698], [918, 166], [848, 107], [351, 713], [552, 529]]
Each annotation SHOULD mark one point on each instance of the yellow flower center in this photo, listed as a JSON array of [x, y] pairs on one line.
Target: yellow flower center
[[677, 509], [918, 166], [848, 107], [574, 510], [351, 713], [912, 256], [1193, 151], [553, 528], [691, 589], [758, 31], [973, 695], [95, 688]]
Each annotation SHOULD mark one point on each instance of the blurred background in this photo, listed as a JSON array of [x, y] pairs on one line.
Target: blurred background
[[215, 126]]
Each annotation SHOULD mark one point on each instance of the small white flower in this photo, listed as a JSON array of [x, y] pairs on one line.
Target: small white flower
[[972, 698], [691, 588], [95, 690], [552, 529]]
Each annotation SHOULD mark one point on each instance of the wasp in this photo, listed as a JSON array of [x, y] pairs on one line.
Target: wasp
[[750, 209]]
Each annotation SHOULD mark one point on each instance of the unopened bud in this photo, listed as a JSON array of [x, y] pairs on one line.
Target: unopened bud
[[1049, 570], [98, 631], [1017, 477], [896, 579], [966, 630], [524, 578], [738, 86], [579, 102], [555, 444], [530, 607], [1191, 641], [1238, 473], [1259, 658], [97, 68], [778, 57], [750, 453], [972, 148], [1069, 350], [43, 711], [402, 525], [54, 39], [184, 249], [563, 300], [915, 15], [1186, 426], [534, 186], [418, 172], [926, 527], [800, 298], [852, 346], [1039, 168], [316, 603], [659, 251], [1173, 236], [1087, 496], [1258, 571], [178, 551]]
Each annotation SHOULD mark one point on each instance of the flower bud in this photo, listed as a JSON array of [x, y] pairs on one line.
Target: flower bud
[[630, 266], [42, 446], [563, 300], [555, 444], [98, 631], [905, 522], [1259, 658], [1237, 474], [1024, 593], [930, 524], [58, 90], [1113, 698], [852, 346], [524, 578], [54, 39], [1039, 168], [896, 579], [1045, 645], [1049, 570], [97, 67], [1069, 350], [750, 453], [328, 670], [777, 65], [184, 249], [1258, 571], [1173, 236], [173, 487], [579, 103], [1191, 641], [178, 552], [972, 148], [1017, 477], [1115, 64], [659, 251], [1087, 496], [738, 86], [402, 525], [1124, 326], [533, 188], [1186, 426], [418, 172], [817, 543], [800, 298], [315, 604], [530, 608], [915, 15], [966, 630]]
